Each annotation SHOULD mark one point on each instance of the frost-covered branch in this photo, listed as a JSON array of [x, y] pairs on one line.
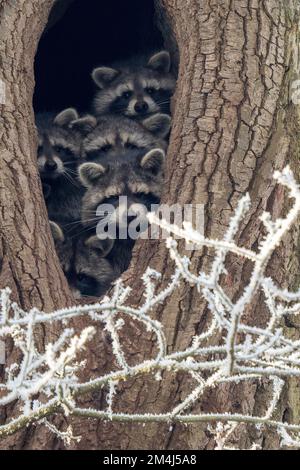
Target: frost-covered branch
[[244, 352]]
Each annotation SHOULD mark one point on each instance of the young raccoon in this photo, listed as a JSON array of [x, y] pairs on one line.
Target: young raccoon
[[83, 261], [115, 136], [59, 155], [127, 185], [135, 90], [120, 192]]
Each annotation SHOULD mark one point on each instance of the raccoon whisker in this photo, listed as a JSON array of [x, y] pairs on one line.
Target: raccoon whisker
[[73, 176], [69, 172], [102, 223], [159, 103], [73, 172], [92, 216], [70, 179], [91, 220], [67, 176], [90, 212], [77, 222], [85, 230], [94, 219], [166, 100]]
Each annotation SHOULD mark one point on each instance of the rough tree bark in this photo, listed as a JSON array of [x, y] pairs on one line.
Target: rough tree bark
[[28, 263], [234, 124]]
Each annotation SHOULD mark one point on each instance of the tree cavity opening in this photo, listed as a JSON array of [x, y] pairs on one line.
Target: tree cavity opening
[[81, 35], [99, 148]]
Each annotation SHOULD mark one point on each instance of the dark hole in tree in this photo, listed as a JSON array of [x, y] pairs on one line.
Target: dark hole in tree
[[89, 33], [81, 35]]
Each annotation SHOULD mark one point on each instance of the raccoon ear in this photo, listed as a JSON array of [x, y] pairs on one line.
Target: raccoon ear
[[89, 173], [57, 232], [103, 76], [65, 118], [158, 124], [103, 246], [153, 160], [160, 62], [84, 125]]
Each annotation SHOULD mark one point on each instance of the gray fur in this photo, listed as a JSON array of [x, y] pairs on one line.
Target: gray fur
[[150, 86], [66, 117], [60, 144], [136, 175], [160, 62], [116, 135], [84, 255]]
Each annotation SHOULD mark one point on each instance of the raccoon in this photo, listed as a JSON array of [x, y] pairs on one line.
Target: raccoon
[[136, 175], [126, 187], [59, 154], [83, 261], [135, 90], [120, 192], [117, 136]]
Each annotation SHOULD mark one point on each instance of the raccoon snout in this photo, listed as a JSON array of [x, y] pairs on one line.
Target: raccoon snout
[[141, 107], [50, 165]]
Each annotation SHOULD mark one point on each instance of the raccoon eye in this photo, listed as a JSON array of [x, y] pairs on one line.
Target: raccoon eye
[[62, 152], [111, 200], [40, 150], [131, 146], [87, 285], [106, 148], [148, 198], [83, 277], [150, 90], [93, 155], [58, 149], [127, 95], [68, 153], [141, 195]]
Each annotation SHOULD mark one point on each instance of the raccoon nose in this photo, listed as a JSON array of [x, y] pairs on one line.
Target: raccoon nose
[[141, 107], [51, 165]]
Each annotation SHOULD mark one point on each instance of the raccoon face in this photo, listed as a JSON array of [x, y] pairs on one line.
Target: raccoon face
[[59, 150], [115, 136], [83, 261], [135, 92], [123, 190]]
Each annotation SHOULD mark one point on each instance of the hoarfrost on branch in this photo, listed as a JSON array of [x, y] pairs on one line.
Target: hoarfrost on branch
[[244, 353]]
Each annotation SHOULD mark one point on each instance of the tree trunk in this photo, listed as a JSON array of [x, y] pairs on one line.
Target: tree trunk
[[28, 263], [234, 124]]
